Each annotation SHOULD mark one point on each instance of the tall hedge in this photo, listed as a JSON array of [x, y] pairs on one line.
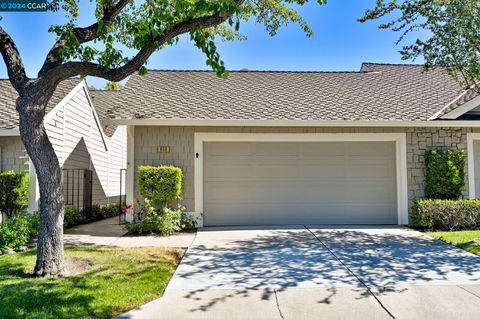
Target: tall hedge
[[445, 174], [13, 192], [160, 184]]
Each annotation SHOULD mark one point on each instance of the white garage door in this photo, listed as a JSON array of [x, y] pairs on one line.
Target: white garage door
[[275, 183]]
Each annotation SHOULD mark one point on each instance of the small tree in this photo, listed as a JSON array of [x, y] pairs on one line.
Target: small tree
[[161, 185], [445, 174], [144, 27], [13, 192]]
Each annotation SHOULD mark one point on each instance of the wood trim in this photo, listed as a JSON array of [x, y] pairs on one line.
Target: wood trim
[[471, 137], [398, 138]]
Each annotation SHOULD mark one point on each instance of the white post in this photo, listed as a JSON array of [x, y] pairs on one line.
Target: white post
[[33, 195], [130, 176]]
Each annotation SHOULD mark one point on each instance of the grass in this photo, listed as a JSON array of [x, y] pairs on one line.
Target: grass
[[117, 280], [467, 240]]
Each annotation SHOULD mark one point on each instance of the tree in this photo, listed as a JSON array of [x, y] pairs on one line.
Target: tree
[[454, 33], [111, 86], [95, 50]]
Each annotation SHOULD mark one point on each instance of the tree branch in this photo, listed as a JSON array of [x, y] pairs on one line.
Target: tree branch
[[13, 61], [71, 69], [83, 35]]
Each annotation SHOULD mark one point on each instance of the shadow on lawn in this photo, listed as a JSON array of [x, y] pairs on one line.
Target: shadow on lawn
[[40, 297], [88, 295], [284, 259]]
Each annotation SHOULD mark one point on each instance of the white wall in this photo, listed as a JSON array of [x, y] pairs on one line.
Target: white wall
[[77, 136]]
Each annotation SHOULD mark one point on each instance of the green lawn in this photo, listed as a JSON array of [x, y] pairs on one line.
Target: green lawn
[[117, 280], [468, 240]]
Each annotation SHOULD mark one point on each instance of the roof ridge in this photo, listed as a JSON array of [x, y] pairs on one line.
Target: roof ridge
[[395, 64], [258, 71]]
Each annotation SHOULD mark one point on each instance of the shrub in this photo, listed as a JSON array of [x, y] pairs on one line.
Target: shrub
[[160, 184], [13, 192], [18, 230], [73, 216], [445, 174], [441, 214], [111, 210], [163, 221], [170, 222], [188, 222]]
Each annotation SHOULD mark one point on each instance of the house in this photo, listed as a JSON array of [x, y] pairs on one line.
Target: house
[[267, 148], [91, 154]]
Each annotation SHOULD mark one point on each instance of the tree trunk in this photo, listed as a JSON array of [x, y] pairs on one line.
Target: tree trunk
[[31, 108]]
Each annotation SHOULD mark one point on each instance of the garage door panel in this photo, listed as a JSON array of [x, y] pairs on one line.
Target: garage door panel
[[248, 214], [298, 183]]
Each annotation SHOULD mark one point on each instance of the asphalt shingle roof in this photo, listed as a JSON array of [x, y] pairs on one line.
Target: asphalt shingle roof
[[377, 92], [103, 101], [8, 96]]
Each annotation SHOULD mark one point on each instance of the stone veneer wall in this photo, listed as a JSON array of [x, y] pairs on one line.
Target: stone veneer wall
[[181, 141]]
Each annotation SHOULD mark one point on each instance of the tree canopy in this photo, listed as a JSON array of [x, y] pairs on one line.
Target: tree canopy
[[453, 27]]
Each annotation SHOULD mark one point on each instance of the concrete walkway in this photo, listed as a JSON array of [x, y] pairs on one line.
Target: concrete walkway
[[108, 232], [311, 272]]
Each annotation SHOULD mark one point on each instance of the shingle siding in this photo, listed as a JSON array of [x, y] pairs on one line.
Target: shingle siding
[[181, 141]]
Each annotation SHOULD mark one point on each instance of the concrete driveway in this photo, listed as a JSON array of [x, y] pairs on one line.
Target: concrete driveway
[[311, 272]]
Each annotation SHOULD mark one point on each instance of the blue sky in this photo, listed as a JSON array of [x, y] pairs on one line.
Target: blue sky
[[340, 42]]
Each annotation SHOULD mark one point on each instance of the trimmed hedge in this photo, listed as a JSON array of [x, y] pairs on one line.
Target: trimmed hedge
[[442, 214], [75, 216], [19, 230], [445, 174], [13, 192], [161, 185]]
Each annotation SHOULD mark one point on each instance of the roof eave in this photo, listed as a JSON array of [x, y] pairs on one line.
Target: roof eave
[[292, 123]]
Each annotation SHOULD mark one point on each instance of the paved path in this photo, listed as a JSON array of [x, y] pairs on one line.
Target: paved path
[[309, 272], [108, 232]]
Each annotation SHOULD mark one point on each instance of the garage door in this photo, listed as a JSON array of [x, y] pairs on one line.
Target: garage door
[[280, 183]]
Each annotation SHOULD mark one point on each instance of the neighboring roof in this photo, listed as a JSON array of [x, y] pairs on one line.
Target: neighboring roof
[[8, 96], [102, 101], [384, 92]]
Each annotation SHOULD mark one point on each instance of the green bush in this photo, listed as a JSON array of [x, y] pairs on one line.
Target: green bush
[[188, 222], [161, 185], [18, 230], [73, 216], [13, 192], [163, 221], [111, 210], [445, 174], [443, 214]]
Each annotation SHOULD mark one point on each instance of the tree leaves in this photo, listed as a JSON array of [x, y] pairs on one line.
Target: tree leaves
[[454, 33], [139, 24]]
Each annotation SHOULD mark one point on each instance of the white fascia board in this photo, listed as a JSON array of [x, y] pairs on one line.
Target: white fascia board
[[67, 98], [106, 140], [459, 111], [10, 132], [62, 103], [291, 123]]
